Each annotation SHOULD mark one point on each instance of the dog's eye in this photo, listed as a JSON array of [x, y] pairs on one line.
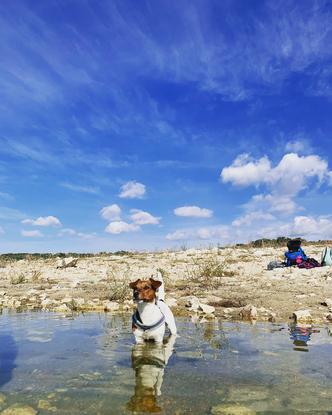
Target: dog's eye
[[146, 288]]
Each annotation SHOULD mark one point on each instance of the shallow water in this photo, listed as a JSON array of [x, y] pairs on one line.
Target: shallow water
[[88, 365]]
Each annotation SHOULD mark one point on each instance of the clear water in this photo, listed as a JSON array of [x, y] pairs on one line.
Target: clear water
[[88, 365]]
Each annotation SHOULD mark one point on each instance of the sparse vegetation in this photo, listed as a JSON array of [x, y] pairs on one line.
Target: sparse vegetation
[[117, 287], [208, 272], [17, 279], [36, 276]]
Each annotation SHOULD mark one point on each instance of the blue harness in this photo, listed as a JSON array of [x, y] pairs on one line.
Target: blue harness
[[138, 322]]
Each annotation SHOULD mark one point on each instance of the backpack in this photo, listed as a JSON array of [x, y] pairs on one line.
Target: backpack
[[294, 257], [327, 257], [309, 263]]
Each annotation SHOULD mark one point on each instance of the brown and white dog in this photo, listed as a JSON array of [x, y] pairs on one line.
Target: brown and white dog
[[152, 313]]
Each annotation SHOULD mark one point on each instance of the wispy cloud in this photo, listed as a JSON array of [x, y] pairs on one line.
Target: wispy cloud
[[111, 212], [79, 188], [31, 234], [73, 233]]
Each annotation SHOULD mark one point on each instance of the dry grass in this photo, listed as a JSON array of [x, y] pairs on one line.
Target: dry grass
[[117, 286], [208, 273], [17, 279]]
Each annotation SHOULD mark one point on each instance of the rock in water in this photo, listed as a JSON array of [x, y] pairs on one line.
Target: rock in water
[[18, 409], [229, 409], [302, 316], [249, 312]]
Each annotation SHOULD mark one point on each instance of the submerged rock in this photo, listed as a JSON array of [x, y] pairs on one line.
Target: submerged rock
[[230, 409], [18, 409]]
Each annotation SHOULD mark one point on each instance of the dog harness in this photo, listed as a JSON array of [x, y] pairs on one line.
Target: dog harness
[[138, 322]]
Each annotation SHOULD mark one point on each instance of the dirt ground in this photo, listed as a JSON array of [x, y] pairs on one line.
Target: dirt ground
[[225, 278]]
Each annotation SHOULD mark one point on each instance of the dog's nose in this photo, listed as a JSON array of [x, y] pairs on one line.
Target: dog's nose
[[136, 295]]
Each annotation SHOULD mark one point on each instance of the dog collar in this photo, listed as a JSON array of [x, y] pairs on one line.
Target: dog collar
[[138, 322]]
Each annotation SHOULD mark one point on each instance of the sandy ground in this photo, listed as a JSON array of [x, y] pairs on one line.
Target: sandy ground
[[225, 278]]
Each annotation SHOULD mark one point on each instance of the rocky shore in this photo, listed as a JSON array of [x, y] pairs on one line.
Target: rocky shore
[[232, 283]]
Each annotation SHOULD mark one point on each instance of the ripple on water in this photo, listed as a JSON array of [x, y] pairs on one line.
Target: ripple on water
[[88, 364]]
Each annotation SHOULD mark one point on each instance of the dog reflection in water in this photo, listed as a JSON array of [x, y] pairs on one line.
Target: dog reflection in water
[[149, 360]]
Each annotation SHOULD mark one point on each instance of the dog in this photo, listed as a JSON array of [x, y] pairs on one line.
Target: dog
[[149, 360], [148, 322]]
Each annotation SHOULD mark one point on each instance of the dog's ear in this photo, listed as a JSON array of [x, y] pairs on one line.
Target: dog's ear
[[155, 284], [133, 284]]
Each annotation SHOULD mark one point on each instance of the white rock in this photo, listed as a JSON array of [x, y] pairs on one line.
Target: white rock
[[207, 309], [111, 306], [249, 312], [302, 316], [171, 302], [193, 303]]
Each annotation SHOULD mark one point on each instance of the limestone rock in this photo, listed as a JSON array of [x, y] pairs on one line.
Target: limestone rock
[[231, 409], [249, 312], [111, 306], [18, 409], [171, 302], [207, 309], [329, 317], [302, 316], [66, 262], [193, 303]]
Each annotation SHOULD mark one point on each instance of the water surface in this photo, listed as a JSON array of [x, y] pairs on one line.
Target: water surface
[[88, 364]]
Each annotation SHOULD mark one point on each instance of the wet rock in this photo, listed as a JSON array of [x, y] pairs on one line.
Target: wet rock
[[329, 317], [249, 312], [18, 409], [272, 317], [230, 409], [128, 305], [2, 398], [46, 405], [207, 309], [111, 306], [193, 303], [302, 316]]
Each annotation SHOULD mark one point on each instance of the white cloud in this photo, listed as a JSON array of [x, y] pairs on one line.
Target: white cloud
[[111, 212], [206, 233], [32, 234], [251, 217], [42, 221], [140, 217], [245, 172], [290, 175], [132, 190], [72, 232], [120, 226], [275, 203], [193, 212]]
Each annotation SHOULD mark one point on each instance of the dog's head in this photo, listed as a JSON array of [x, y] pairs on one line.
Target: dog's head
[[145, 290]]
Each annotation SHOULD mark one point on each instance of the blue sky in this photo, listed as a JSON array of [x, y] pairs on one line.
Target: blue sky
[[153, 124]]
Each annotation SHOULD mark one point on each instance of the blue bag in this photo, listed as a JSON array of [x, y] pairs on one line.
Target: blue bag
[[292, 256]]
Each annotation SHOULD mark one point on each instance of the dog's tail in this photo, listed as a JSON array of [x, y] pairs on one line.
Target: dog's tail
[[161, 290]]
